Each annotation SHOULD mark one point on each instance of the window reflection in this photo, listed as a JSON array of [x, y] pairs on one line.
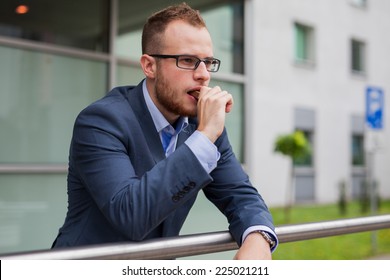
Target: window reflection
[[80, 24]]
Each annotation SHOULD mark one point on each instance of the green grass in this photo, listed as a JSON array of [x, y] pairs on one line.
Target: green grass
[[344, 247]]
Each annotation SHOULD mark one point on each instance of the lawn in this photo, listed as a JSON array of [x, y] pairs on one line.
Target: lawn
[[344, 247]]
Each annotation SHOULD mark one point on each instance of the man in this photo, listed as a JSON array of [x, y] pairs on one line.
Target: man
[[129, 181]]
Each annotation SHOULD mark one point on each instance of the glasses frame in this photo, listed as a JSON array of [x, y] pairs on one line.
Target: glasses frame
[[177, 56]]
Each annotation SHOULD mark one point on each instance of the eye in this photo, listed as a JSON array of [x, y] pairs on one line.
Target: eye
[[208, 62], [188, 60]]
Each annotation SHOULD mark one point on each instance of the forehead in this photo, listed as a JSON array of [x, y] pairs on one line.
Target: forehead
[[183, 38]]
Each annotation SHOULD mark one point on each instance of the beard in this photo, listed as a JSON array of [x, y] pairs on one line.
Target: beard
[[173, 100]]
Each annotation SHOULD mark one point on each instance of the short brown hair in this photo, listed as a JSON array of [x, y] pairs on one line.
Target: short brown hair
[[158, 22]]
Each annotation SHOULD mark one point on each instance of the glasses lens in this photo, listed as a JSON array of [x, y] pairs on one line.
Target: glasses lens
[[192, 62], [212, 65], [187, 62]]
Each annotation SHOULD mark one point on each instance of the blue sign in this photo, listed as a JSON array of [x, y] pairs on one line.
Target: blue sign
[[374, 107]]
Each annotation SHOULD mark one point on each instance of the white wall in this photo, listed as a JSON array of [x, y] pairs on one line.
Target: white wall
[[276, 85]]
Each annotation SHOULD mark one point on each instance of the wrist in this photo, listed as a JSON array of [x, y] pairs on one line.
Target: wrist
[[267, 237], [212, 136]]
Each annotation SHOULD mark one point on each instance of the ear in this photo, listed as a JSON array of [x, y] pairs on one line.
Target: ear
[[148, 65]]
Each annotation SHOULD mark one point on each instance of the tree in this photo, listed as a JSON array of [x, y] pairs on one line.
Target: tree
[[295, 146]]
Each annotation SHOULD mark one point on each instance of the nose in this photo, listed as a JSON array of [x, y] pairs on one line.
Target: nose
[[201, 73]]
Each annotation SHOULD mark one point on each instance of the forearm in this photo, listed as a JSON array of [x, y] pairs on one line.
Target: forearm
[[254, 247]]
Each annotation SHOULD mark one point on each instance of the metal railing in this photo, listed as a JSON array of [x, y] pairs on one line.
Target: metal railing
[[196, 244], [33, 168]]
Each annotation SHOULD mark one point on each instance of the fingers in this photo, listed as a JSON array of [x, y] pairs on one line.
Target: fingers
[[217, 95], [213, 104], [229, 104]]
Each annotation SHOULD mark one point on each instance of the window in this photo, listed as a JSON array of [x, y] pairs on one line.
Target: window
[[38, 125], [357, 150], [357, 141], [304, 168], [304, 43], [307, 160], [78, 24], [358, 50], [304, 120], [359, 3], [304, 173], [225, 25], [357, 157], [41, 95]]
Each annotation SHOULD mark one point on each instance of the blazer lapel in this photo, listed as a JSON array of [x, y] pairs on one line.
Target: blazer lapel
[[137, 102]]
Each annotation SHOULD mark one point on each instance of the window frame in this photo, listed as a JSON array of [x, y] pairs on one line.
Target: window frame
[[304, 44]]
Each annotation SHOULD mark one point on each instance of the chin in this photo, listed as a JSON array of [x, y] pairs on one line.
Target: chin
[[190, 113]]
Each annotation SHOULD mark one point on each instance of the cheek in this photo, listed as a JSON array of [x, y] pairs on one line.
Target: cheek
[[177, 83]]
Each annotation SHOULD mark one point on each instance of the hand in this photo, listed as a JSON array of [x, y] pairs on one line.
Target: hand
[[213, 104], [255, 247]]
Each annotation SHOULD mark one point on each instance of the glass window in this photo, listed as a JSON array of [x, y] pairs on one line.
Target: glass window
[[358, 56], [307, 160], [128, 45], [80, 24], [32, 209], [357, 150], [304, 43], [129, 75], [359, 3], [41, 95], [304, 175], [225, 25], [235, 119], [305, 121]]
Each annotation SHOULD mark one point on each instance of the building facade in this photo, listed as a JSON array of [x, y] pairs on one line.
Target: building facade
[[313, 63], [290, 65]]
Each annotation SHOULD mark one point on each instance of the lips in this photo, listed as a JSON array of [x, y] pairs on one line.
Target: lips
[[194, 93]]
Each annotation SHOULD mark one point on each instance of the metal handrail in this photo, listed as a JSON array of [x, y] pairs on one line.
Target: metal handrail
[[23, 168], [196, 244]]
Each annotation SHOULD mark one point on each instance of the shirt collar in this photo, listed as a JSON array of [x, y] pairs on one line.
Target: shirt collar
[[160, 122]]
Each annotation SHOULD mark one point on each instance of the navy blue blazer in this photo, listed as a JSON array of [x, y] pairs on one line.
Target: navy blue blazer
[[121, 187]]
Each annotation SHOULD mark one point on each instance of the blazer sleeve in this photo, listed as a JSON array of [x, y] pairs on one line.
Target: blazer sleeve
[[232, 192]]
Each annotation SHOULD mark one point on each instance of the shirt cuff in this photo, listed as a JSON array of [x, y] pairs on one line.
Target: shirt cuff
[[262, 228], [204, 150]]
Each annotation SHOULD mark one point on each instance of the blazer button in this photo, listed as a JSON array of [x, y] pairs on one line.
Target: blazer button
[[181, 194], [191, 185], [175, 198]]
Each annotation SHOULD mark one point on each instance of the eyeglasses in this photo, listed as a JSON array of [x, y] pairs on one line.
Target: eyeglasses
[[191, 62]]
